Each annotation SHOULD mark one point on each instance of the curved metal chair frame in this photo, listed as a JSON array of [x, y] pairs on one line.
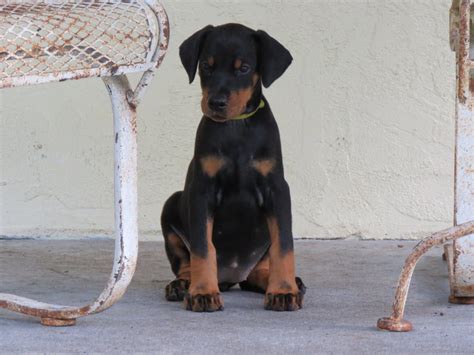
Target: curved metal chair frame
[[51, 41], [460, 253]]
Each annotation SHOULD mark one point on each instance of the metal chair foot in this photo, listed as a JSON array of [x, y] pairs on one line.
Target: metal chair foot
[[53, 322], [461, 300], [394, 325], [395, 322]]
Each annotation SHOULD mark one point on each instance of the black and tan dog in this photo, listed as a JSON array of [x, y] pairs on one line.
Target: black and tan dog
[[232, 222]]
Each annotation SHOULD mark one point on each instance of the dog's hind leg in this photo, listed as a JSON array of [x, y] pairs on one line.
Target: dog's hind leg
[[257, 281], [176, 250]]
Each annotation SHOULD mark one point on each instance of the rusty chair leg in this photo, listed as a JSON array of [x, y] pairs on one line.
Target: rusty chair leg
[[126, 242], [395, 322]]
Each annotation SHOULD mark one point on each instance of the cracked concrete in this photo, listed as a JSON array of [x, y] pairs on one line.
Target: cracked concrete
[[350, 285]]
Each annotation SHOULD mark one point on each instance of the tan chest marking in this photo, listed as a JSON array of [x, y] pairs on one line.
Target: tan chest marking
[[264, 166], [211, 165]]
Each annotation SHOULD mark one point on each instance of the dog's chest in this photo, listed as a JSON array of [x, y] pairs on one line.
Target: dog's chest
[[242, 187], [240, 229], [246, 160]]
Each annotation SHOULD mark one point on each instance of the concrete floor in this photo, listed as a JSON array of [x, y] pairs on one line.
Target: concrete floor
[[350, 285]]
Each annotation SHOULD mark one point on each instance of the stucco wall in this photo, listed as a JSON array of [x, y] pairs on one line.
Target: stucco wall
[[365, 112]]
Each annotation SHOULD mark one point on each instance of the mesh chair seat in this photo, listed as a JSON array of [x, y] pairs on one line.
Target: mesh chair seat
[[43, 41]]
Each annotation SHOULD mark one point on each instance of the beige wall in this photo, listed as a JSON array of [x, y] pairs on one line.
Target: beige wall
[[365, 112]]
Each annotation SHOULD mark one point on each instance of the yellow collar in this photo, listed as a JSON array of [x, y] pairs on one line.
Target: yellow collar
[[250, 114]]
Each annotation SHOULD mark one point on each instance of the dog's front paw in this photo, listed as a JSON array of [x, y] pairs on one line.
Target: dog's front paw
[[176, 290], [204, 302], [286, 301]]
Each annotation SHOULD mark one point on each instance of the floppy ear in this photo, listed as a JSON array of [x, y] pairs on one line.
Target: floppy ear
[[273, 58], [189, 51]]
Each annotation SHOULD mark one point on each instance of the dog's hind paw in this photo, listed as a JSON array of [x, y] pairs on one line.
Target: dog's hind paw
[[286, 301], [176, 290]]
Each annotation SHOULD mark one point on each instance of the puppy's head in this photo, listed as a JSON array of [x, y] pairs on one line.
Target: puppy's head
[[233, 61]]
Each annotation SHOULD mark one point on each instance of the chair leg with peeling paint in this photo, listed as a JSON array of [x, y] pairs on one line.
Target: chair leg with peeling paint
[[126, 232], [459, 254], [85, 56], [395, 322]]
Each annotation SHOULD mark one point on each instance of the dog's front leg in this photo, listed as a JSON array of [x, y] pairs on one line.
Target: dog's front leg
[[203, 294], [285, 291]]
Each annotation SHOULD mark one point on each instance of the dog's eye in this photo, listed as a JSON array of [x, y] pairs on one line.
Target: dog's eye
[[244, 69]]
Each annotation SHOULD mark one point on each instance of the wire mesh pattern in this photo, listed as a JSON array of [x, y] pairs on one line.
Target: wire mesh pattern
[[41, 38]]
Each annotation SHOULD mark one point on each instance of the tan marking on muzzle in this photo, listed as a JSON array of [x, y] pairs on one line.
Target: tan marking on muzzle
[[204, 99], [238, 102]]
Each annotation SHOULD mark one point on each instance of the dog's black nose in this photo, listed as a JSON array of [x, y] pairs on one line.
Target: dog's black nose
[[218, 103]]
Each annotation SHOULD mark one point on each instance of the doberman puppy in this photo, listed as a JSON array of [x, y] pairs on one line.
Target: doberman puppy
[[232, 222]]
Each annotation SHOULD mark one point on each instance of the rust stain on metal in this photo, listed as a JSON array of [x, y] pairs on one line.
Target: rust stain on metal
[[133, 119], [114, 69], [393, 325], [465, 289], [461, 300], [20, 305], [463, 60], [53, 322]]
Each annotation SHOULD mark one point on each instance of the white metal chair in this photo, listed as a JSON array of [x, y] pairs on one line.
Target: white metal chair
[[459, 252], [45, 41]]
